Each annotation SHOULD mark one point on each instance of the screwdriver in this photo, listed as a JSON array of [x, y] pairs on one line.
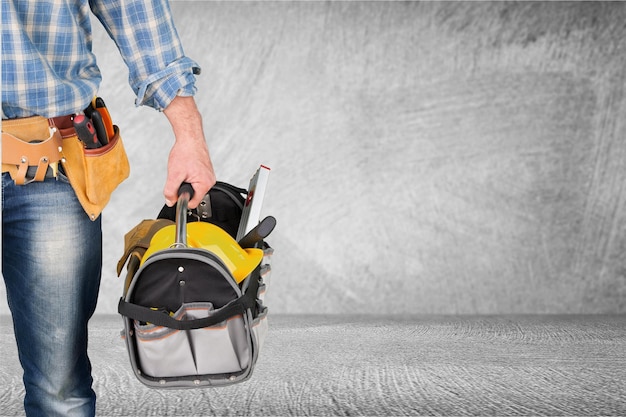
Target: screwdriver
[[86, 132]]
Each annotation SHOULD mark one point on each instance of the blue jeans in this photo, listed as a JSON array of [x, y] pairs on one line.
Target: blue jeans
[[51, 263]]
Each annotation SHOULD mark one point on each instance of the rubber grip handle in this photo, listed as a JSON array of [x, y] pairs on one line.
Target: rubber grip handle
[[185, 187], [86, 131], [98, 124], [258, 233]]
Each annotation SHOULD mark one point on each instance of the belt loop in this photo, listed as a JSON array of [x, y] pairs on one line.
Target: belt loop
[[42, 168], [20, 177]]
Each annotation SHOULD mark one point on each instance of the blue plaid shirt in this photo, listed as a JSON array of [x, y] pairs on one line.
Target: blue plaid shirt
[[48, 67]]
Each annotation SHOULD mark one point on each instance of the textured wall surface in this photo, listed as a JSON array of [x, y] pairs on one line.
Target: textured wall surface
[[426, 157]]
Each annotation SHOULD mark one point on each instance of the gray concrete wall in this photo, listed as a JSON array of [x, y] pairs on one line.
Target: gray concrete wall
[[426, 157]]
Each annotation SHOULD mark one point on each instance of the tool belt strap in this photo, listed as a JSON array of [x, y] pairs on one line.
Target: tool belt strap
[[32, 142]]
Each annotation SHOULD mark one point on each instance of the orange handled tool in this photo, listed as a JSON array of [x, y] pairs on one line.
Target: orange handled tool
[[98, 104]]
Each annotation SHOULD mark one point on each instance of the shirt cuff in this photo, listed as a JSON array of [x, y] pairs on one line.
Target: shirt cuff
[[160, 88]]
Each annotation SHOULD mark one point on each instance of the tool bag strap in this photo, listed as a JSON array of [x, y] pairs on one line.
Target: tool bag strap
[[232, 191], [159, 318]]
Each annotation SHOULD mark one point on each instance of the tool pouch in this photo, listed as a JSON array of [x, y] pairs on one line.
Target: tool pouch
[[95, 173]]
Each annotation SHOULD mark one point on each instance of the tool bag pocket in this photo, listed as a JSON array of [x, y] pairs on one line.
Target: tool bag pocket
[[95, 173], [260, 324], [221, 348], [165, 352]]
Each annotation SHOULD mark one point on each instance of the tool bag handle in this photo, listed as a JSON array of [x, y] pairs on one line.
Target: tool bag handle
[[185, 193]]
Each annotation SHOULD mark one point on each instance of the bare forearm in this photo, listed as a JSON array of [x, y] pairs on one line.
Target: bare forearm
[[185, 119], [189, 159]]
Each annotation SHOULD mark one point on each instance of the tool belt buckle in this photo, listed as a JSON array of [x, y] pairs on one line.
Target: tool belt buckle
[[24, 155]]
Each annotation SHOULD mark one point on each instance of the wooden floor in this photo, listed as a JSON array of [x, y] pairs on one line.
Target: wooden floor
[[368, 365]]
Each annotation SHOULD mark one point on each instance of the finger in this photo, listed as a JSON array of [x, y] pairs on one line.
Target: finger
[[170, 190], [200, 189], [170, 199]]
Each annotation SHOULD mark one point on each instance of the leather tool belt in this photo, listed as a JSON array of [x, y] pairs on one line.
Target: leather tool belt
[[94, 165], [31, 147]]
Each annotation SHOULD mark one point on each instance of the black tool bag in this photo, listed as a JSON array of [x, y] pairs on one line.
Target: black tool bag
[[188, 323]]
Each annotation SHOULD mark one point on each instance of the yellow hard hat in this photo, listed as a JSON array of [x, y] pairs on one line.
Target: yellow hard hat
[[241, 262]]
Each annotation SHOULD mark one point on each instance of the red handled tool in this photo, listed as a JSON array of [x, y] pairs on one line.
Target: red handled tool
[[100, 119], [86, 131]]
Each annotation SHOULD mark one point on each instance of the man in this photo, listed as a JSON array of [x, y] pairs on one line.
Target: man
[[52, 250]]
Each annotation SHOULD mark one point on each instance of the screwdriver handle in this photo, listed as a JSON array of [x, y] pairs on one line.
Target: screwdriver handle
[[86, 131]]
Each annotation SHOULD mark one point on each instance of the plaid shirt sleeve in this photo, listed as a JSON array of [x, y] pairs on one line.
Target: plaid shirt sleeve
[[145, 34]]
